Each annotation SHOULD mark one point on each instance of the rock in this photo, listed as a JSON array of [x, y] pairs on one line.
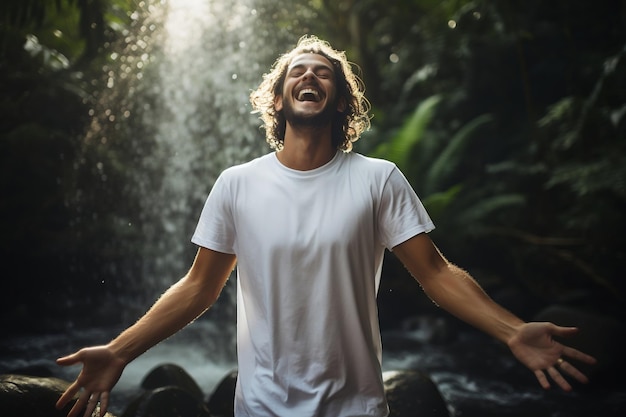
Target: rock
[[413, 394], [222, 401], [170, 391], [166, 402], [172, 375], [30, 396], [599, 336]]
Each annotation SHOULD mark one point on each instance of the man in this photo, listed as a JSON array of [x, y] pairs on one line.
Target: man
[[307, 227]]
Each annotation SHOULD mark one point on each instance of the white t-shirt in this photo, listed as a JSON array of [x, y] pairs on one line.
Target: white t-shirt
[[309, 248]]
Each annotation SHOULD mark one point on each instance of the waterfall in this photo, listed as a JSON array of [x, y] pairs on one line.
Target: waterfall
[[202, 119], [207, 57], [172, 112]]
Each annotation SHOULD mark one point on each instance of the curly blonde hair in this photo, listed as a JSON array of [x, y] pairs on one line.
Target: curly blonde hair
[[347, 126]]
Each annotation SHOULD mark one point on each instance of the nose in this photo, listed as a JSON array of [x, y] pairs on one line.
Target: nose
[[309, 73]]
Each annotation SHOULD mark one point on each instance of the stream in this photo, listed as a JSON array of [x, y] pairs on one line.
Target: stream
[[476, 376]]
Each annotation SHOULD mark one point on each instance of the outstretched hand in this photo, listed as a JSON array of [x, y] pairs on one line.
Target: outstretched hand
[[535, 347], [101, 371]]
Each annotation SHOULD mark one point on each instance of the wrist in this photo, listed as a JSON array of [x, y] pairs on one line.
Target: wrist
[[512, 338], [123, 351]]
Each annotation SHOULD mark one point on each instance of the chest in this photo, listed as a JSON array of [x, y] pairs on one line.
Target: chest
[[306, 215]]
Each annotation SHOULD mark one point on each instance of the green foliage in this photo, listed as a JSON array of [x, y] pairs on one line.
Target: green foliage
[[432, 163], [437, 202], [447, 161], [399, 149], [507, 117], [542, 184], [62, 187]]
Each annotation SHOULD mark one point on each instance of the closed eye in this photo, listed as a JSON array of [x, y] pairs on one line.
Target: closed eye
[[321, 72]]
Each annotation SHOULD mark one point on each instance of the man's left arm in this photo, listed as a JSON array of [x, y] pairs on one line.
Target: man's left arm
[[454, 290]]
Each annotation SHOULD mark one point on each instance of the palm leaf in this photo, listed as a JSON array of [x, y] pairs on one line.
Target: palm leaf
[[398, 149], [448, 160], [436, 203]]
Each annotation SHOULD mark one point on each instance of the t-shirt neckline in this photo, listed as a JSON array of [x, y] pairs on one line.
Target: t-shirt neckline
[[308, 173]]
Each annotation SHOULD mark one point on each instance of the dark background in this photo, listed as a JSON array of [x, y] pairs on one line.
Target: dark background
[[507, 117]]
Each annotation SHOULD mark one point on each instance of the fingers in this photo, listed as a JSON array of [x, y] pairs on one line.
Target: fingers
[[571, 370], [558, 378], [565, 331], [92, 404], [541, 377], [79, 404], [556, 374], [69, 359], [67, 395], [578, 355], [104, 403]]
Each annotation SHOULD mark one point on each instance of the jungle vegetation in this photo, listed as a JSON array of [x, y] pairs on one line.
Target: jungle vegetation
[[508, 118]]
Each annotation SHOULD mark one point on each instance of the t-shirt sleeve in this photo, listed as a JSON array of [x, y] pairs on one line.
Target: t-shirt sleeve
[[215, 229], [401, 214]]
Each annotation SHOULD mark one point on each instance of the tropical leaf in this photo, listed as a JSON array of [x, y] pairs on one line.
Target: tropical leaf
[[486, 207], [593, 177], [436, 203], [399, 149], [448, 160]]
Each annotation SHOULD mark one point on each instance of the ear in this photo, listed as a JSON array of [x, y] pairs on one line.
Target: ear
[[278, 102], [341, 105]]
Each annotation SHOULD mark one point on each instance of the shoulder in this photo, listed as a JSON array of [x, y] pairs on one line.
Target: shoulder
[[370, 166], [361, 160], [246, 169]]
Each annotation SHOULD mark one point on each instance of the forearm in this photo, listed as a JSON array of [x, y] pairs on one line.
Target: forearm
[[178, 306], [454, 289], [457, 292]]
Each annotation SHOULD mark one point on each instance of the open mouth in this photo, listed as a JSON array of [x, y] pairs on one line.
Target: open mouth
[[308, 94]]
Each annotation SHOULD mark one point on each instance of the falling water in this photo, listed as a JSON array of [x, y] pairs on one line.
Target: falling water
[[202, 122], [202, 119], [176, 94]]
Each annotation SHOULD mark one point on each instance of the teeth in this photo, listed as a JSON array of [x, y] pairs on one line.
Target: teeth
[[302, 93]]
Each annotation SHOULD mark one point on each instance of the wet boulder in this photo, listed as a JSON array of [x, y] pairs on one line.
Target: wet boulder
[[170, 374], [412, 393], [166, 402], [33, 396], [168, 391], [222, 401]]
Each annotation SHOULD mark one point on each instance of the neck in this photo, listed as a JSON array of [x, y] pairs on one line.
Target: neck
[[306, 148]]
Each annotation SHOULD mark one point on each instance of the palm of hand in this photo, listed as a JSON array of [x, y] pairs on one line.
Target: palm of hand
[[535, 347], [101, 371]]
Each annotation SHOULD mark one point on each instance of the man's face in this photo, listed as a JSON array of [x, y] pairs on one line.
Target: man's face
[[309, 93]]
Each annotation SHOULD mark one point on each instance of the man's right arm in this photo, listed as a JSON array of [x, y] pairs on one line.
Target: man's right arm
[[182, 303]]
